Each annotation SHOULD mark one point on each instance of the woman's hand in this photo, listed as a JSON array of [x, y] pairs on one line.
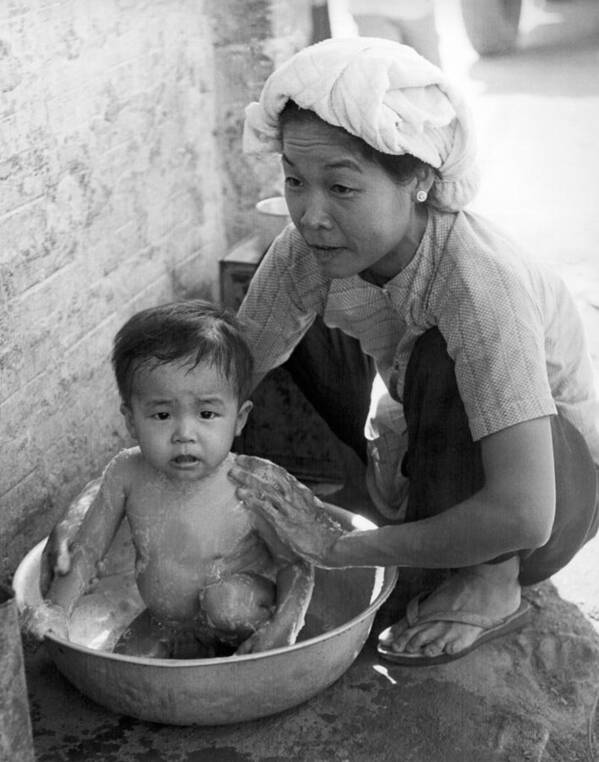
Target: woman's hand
[[287, 514], [56, 556]]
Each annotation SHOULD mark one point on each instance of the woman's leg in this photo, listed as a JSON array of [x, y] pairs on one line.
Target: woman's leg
[[444, 465], [576, 515]]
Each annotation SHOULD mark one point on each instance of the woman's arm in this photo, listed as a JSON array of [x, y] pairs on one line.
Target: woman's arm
[[513, 511]]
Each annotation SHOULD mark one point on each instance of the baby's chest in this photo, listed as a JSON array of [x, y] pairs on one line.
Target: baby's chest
[[191, 533]]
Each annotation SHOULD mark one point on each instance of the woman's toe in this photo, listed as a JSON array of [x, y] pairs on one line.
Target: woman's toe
[[426, 635], [388, 636], [453, 647], [411, 642], [436, 648], [398, 644], [462, 640]]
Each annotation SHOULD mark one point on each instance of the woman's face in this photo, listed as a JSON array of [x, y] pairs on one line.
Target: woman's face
[[352, 214]]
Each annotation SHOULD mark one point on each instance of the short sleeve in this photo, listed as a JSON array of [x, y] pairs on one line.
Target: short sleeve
[[495, 334], [283, 299]]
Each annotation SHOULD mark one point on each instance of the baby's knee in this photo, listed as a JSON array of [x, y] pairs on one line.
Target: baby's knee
[[239, 604]]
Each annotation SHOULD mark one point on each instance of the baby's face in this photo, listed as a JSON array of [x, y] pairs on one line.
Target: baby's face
[[184, 418]]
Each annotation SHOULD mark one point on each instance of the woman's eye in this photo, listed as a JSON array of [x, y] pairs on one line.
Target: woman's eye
[[161, 416], [292, 182], [207, 414], [342, 190]]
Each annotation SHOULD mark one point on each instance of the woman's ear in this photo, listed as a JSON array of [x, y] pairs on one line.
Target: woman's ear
[[242, 416], [129, 423], [425, 177]]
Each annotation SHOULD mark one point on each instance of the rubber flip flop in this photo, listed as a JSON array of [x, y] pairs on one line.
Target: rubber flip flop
[[492, 629]]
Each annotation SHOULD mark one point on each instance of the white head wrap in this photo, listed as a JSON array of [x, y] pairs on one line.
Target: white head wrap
[[384, 93]]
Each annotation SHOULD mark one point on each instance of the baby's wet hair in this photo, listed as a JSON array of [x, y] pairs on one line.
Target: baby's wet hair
[[194, 329]]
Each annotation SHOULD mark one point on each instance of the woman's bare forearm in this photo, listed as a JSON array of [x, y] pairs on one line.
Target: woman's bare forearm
[[514, 510], [470, 533]]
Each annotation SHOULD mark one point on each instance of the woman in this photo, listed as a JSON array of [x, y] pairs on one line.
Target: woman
[[483, 433]]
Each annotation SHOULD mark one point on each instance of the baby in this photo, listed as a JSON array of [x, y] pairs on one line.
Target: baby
[[211, 583]]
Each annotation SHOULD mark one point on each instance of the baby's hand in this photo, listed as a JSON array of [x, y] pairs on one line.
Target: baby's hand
[[271, 635], [47, 618], [56, 556]]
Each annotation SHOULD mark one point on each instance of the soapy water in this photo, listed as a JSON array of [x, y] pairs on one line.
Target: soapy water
[[113, 618], [155, 640]]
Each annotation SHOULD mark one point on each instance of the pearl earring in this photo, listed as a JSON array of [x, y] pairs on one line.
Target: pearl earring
[[421, 196]]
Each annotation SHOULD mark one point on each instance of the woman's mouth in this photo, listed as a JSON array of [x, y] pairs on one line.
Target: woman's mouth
[[326, 252]]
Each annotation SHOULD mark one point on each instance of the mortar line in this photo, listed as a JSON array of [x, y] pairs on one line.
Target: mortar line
[[40, 284], [21, 388], [17, 210], [17, 484], [72, 347]]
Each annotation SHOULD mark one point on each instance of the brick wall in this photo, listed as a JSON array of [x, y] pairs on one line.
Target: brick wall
[[121, 185]]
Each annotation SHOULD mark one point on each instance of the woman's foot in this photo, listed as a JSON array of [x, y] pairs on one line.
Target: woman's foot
[[487, 590]]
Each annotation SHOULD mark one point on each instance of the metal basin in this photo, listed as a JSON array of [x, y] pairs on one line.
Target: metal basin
[[209, 691]]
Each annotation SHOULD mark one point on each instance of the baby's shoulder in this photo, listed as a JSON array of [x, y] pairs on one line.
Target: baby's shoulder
[[125, 465], [129, 457]]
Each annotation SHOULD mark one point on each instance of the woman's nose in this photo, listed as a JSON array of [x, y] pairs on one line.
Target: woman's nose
[[315, 214]]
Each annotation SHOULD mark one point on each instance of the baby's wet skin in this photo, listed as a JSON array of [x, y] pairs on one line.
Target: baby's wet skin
[[230, 610], [199, 561], [183, 554], [236, 606], [202, 567]]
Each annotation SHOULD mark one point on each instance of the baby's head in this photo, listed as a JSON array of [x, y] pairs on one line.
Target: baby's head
[[184, 373], [195, 330]]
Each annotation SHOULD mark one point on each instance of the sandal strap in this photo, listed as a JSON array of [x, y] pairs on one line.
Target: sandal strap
[[461, 617]]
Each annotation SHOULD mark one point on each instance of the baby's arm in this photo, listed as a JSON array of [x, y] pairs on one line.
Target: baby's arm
[[56, 556], [89, 546], [295, 583]]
